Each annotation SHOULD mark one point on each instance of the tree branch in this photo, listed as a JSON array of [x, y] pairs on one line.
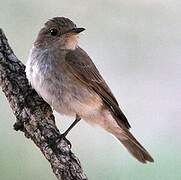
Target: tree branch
[[34, 116]]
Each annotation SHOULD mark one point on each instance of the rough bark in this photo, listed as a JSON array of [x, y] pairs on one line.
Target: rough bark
[[34, 116]]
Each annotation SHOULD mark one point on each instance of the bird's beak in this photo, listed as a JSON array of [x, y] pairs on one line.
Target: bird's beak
[[77, 30]]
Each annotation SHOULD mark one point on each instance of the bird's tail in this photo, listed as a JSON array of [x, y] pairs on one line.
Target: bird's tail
[[132, 145]]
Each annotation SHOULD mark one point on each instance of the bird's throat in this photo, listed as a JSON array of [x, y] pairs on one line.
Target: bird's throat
[[71, 42]]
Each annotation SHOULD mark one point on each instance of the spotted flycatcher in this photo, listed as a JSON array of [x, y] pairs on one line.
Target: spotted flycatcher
[[67, 79]]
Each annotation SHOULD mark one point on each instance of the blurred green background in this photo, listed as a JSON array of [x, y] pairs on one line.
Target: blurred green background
[[137, 48]]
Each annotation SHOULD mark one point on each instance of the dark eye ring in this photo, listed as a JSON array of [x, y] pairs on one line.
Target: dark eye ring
[[53, 32]]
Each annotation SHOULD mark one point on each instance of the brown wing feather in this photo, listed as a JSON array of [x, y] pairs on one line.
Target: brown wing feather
[[84, 69]]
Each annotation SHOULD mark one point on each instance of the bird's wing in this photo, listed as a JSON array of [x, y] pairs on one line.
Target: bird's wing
[[82, 67]]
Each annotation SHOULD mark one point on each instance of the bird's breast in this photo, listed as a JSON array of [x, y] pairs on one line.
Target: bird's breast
[[60, 88]]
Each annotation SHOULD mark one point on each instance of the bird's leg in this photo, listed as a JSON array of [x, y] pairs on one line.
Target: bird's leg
[[63, 136], [77, 119]]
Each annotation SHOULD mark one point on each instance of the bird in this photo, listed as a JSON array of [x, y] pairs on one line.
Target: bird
[[64, 75]]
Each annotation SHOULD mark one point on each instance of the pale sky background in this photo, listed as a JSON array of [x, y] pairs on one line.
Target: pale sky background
[[136, 45]]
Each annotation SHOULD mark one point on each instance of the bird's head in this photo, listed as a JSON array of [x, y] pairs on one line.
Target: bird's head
[[58, 32]]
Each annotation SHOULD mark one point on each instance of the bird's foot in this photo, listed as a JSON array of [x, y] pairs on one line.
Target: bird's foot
[[63, 137], [53, 143]]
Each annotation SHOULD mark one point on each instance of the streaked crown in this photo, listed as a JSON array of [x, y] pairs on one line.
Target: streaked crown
[[63, 23]]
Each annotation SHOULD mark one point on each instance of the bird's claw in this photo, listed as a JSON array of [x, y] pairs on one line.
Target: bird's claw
[[53, 142], [63, 136]]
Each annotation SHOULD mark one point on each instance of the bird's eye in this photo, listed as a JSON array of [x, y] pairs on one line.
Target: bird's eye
[[53, 32]]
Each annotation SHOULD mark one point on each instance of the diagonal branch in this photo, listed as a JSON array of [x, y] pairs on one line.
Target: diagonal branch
[[34, 116]]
